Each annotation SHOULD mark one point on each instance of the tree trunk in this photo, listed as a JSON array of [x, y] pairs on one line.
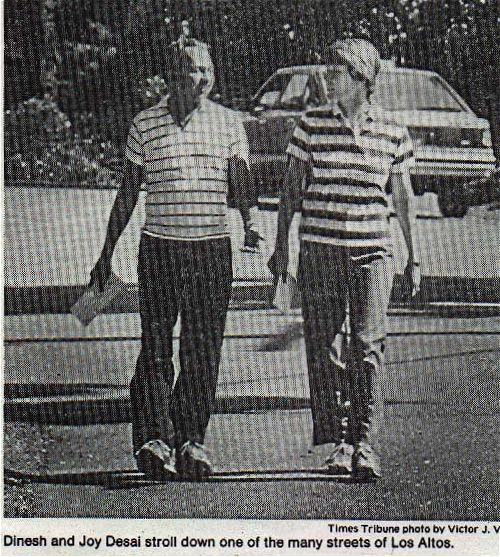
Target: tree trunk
[[51, 56]]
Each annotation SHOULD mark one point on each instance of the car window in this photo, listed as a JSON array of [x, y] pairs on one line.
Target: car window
[[273, 89], [413, 91], [295, 92]]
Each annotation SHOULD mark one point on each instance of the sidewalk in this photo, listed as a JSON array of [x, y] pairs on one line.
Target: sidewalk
[[53, 237]]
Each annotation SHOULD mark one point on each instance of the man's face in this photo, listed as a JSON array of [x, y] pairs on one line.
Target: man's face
[[197, 81], [340, 84], [202, 72], [187, 87]]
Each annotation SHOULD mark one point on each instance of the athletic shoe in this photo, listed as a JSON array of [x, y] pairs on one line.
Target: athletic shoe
[[366, 463], [156, 460], [339, 463], [192, 461]]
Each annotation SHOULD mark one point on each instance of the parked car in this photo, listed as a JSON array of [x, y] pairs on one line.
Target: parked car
[[452, 145]]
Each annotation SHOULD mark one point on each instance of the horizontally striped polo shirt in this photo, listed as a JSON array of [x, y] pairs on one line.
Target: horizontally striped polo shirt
[[186, 168], [345, 201]]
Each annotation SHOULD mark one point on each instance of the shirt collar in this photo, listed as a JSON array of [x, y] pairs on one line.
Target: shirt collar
[[164, 102], [336, 112], [366, 111], [369, 109]]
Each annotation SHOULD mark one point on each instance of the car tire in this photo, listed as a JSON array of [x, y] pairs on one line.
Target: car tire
[[451, 204]]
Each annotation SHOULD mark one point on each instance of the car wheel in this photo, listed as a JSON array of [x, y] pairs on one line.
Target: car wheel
[[451, 205]]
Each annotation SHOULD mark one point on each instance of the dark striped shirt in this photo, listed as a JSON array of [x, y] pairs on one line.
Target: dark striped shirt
[[345, 201], [186, 168]]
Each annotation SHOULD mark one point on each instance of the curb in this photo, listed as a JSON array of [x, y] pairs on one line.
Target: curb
[[83, 410], [437, 294]]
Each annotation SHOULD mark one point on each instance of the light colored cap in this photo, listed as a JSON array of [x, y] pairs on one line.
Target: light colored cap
[[360, 54]]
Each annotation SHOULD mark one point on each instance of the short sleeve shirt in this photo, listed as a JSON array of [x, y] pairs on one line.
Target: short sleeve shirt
[[345, 201], [186, 168]]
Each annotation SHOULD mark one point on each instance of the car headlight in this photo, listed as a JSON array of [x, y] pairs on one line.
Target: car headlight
[[487, 138]]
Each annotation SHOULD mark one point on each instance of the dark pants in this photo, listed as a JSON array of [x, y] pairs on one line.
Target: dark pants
[[333, 279], [193, 280]]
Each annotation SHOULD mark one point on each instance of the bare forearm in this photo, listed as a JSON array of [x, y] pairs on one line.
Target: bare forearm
[[123, 207], [244, 210], [404, 205], [285, 217], [120, 215], [242, 188], [408, 225], [289, 199]]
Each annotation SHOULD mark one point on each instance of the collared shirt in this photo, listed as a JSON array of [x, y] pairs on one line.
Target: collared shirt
[[186, 168], [345, 200]]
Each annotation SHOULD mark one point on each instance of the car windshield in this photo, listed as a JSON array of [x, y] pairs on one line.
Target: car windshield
[[413, 91]]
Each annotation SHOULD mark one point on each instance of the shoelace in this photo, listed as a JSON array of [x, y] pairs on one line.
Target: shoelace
[[341, 449], [365, 450], [157, 447], [187, 444]]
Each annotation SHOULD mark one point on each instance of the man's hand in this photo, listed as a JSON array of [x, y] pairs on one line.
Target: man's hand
[[252, 239], [278, 264], [412, 279], [101, 272]]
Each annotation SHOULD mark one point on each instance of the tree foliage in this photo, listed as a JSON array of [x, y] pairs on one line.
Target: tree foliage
[[104, 57]]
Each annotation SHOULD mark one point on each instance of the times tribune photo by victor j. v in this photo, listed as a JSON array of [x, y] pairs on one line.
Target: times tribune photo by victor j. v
[[251, 277]]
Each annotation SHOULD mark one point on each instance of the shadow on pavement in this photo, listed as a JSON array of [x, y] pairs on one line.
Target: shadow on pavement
[[129, 479], [58, 299]]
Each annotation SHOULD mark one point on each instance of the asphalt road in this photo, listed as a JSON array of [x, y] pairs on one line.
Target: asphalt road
[[441, 387], [441, 448], [439, 465]]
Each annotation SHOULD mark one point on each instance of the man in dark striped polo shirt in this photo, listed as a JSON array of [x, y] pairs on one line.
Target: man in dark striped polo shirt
[[345, 153], [185, 149]]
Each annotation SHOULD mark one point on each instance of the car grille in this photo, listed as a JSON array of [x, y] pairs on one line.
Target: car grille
[[449, 137]]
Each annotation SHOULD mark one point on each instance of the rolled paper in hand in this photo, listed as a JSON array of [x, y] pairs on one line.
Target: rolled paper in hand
[[287, 295], [93, 302]]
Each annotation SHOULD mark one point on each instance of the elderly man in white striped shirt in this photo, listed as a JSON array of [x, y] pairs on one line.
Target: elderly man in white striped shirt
[[186, 149], [347, 152]]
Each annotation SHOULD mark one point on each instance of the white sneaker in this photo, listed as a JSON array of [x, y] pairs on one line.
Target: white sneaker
[[156, 460]]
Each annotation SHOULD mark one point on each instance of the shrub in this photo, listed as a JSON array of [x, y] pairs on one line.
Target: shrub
[[41, 146]]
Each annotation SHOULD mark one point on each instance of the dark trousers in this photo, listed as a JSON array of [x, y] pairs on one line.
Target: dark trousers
[[333, 279], [191, 279]]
